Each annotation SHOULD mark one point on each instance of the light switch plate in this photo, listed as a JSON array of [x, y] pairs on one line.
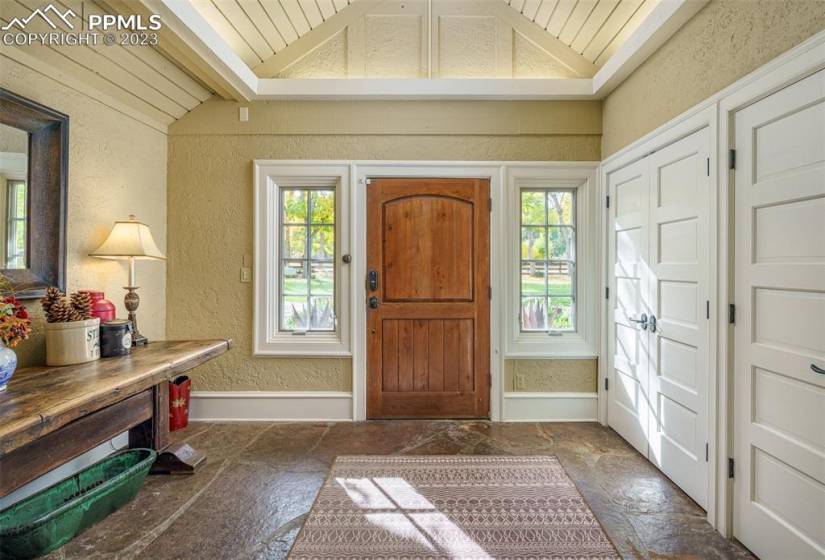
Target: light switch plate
[[243, 114], [246, 274]]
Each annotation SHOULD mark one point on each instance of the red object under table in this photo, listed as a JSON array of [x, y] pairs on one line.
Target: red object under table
[[179, 390]]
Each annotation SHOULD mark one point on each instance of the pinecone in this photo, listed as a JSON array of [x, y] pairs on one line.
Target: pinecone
[[53, 295], [82, 306], [59, 312]]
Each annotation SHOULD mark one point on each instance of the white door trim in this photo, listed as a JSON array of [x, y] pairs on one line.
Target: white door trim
[[362, 171]]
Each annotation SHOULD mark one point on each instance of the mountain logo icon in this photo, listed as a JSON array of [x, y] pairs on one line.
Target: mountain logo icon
[[44, 15]]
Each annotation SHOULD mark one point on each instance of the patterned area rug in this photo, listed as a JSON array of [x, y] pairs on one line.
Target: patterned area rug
[[450, 507]]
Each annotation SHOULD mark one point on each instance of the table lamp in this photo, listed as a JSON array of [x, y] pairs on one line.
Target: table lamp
[[130, 240]]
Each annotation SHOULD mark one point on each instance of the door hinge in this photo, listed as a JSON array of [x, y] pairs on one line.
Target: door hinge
[[607, 201], [732, 159], [730, 467], [607, 292], [490, 204], [707, 309], [489, 292], [606, 383], [708, 167], [732, 314], [707, 452], [369, 181]]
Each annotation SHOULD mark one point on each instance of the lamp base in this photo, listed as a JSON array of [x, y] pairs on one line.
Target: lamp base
[[132, 301]]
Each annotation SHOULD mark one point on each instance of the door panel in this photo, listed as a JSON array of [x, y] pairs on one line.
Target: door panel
[[628, 405], [679, 284], [414, 230], [428, 334], [779, 409], [658, 246]]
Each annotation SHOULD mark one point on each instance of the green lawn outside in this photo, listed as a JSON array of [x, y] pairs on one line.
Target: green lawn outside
[[320, 287], [534, 286]]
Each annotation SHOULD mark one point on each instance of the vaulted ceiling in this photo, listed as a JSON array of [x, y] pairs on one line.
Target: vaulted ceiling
[[426, 38], [257, 29], [356, 49], [591, 28]]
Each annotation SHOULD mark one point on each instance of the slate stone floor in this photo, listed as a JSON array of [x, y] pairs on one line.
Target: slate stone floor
[[250, 499]]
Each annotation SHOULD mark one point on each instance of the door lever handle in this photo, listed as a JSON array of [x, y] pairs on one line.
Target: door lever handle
[[642, 321], [816, 369]]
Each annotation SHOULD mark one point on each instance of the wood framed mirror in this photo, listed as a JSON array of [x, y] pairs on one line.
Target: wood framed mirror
[[34, 163]]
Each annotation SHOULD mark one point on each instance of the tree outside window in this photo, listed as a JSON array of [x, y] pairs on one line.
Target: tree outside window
[[548, 260], [307, 298]]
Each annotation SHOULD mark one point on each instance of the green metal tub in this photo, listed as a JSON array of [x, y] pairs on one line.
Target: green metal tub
[[52, 517]]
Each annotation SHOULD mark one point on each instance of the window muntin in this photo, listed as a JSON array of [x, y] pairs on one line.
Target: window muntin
[[307, 260], [16, 224], [547, 265]]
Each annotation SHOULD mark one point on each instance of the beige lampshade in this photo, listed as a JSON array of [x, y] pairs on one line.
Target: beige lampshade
[[129, 239]]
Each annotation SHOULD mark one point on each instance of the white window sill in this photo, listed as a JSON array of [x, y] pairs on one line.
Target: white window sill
[[570, 346], [301, 353], [549, 356], [309, 345]]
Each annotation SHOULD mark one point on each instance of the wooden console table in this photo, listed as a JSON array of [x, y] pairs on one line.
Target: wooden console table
[[50, 415]]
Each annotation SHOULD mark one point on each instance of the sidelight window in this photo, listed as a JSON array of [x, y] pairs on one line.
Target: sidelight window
[[547, 264], [552, 262], [302, 256]]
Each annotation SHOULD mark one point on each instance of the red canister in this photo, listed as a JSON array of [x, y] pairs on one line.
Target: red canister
[[101, 307], [179, 395]]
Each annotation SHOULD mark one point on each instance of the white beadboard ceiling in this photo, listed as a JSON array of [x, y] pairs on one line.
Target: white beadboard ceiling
[[258, 29], [594, 29], [139, 81]]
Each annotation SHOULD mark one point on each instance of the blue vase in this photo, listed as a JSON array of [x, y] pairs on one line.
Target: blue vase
[[8, 363]]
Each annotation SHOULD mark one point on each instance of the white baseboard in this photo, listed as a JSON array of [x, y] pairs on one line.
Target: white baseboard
[[550, 407], [251, 406]]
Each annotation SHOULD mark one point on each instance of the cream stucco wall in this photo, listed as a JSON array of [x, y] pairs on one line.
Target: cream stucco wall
[[723, 42], [210, 203], [117, 166], [574, 376]]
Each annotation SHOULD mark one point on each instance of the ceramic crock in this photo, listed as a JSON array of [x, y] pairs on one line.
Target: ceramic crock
[[75, 342]]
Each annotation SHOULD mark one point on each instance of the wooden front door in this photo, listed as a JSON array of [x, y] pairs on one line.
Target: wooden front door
[[428, 311]]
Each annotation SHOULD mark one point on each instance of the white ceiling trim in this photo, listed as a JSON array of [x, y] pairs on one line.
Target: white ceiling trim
[[423, 88], [192, 28]]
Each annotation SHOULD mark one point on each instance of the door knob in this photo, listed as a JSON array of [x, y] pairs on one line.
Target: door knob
[[653, 323], [642, 321], [374, 302], [816, 369]]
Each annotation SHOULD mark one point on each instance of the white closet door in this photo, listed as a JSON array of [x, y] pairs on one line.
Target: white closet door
[[679, 277], [628, 407], [779, 508]]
